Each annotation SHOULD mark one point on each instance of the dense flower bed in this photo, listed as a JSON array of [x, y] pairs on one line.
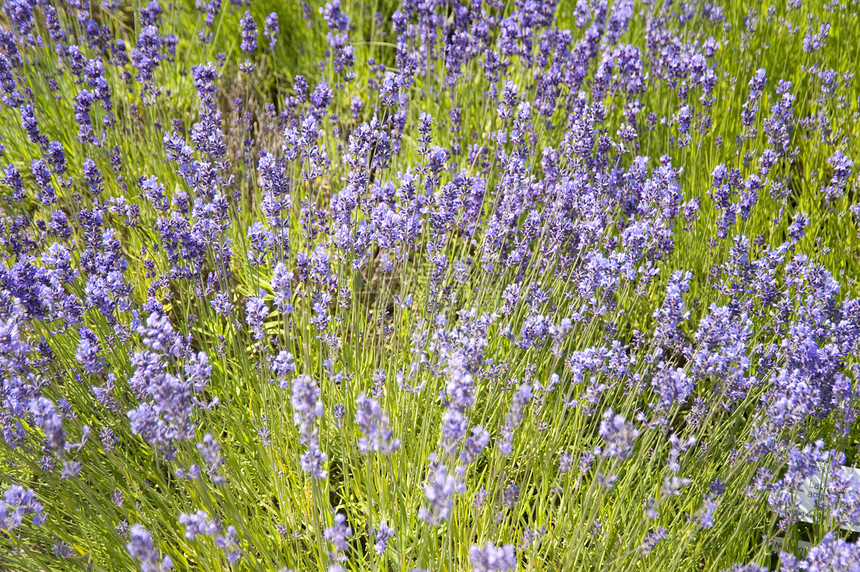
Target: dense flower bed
[[438, 285]]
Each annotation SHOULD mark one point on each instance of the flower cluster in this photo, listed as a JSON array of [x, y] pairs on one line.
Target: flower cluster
[[393, 284], [307, 406]]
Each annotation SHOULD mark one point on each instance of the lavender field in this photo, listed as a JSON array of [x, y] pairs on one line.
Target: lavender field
[[437, 285]]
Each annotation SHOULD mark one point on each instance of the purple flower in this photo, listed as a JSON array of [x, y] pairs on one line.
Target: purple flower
[[705, 516], [673, 485], [606, 481], [439, 492], [272, 30], [842, 168], [63, 550], [489, 558], [256, 312], [210, 450], [197, 523], [89, 351], [815, 40], [333, 16], [673, 312], [198, 371], [307, 406], [141, 548], [338, 533], [31, 126], [652, 539], [474, 445], [320, 98], [508, 101], [249, 33], [155, 193], [259, 242], [511, 495], [383, 535], [168, 416], [168, 410], [281, 280], [222, 304], [45, 415], [158, 335], [17, 503], [355, 106], [832, 553], [618, 434], [12, 177], [283, 365], [56, 157], [453, 429], [42, 174], [342, 53], [672, 386], [459, 385], [147, 55], [227, 543], [150, 13], [71, 469], [92, 176], [373, 422], [521, 399]]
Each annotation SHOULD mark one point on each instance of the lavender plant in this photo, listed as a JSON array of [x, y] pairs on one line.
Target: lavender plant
[[439, 285]]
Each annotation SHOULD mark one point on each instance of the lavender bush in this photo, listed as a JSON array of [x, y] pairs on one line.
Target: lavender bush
[[431, 285]]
